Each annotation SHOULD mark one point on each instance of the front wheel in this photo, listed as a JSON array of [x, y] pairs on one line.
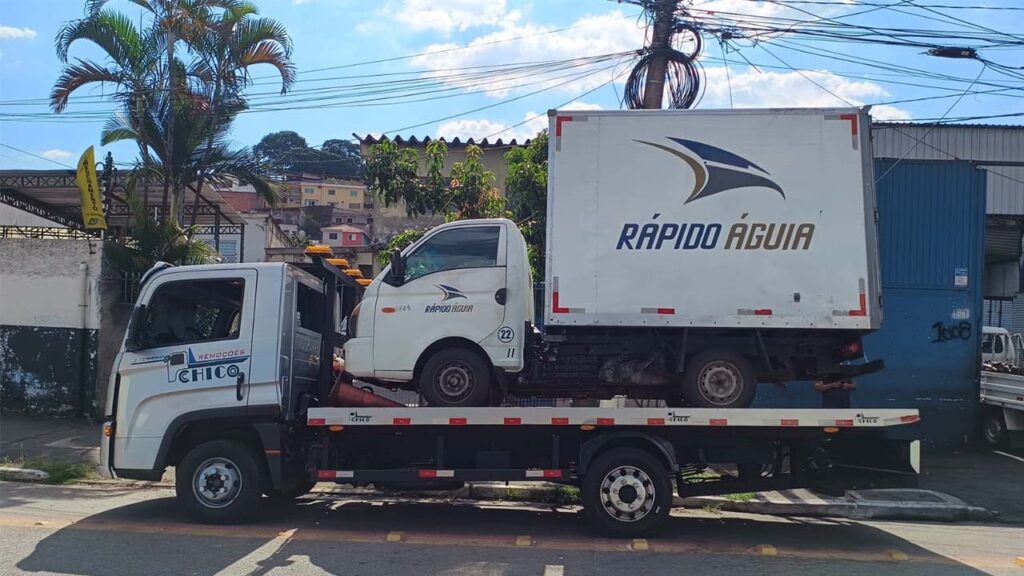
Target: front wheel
[[719, 379], [456, 378], [218, 482], [626, 492]]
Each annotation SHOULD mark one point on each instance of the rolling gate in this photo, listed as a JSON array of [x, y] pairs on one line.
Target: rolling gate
[[931, 231]]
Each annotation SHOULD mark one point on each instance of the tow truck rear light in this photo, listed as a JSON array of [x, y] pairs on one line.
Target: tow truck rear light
[[851, 350]]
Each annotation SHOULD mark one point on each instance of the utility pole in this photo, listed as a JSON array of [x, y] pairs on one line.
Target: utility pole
[[661, 41]]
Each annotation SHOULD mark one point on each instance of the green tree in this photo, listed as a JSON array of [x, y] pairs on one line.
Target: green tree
[[342, 159], [154, 241], [526, 189], [468, 191]]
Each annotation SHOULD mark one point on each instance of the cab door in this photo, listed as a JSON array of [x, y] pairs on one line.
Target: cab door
[[454, 286], [190, 351]]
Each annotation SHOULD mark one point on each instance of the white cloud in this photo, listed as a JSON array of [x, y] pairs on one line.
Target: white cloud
[[56, 154], [752, 89], [479, 128], [446, 16], [522, 42], [15, 33], [300, 2]]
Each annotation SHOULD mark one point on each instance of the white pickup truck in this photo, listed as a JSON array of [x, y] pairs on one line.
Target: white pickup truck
[[1002, 399], [690, 256]]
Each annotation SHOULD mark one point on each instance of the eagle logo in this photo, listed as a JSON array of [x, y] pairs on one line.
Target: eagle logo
[[449, 292], [716, 170]]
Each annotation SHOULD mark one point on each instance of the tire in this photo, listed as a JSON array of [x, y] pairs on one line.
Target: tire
[[456, 378], [719, 378], [993, 428], [218, 482], [639, 479]]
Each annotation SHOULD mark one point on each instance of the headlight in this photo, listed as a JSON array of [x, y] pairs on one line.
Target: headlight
[[353, 321]]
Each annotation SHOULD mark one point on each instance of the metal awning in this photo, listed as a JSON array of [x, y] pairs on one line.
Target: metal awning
[[53, 194]]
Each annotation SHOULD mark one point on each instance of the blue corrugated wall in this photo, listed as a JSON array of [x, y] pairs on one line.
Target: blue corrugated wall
[[932, 250]]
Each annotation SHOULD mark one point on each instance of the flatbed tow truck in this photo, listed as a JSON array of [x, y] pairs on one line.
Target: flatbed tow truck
[[240, 403]]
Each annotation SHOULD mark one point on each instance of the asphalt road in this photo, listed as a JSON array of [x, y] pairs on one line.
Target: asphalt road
[[107, 532]]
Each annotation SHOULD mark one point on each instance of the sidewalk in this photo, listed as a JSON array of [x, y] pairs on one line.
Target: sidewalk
[[978, 478], [56, 440]]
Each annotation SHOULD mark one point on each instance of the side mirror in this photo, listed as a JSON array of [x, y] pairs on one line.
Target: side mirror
[[133, 341], [398, 267]]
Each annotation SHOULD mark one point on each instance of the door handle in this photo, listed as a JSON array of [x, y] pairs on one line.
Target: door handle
[[238, 386]]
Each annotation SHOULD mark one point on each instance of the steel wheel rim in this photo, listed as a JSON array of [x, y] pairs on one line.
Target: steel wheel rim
[[627, 494], [720, 382], [455, 381], [217, 482]]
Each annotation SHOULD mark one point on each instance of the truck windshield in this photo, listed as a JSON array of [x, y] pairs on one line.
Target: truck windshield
[[194, 311], [470, 247]]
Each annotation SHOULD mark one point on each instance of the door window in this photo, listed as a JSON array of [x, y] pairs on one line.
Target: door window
[[191, 312], [986, 343], [471, 247], [998, 345]]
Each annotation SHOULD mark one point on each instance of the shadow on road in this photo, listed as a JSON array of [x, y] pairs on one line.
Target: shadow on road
[[348, 537]]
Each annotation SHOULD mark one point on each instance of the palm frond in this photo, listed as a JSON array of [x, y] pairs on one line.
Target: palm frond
[[74, 76]]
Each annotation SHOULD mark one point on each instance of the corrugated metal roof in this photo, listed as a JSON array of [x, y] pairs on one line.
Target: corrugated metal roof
[[454, 143], [979, 144]]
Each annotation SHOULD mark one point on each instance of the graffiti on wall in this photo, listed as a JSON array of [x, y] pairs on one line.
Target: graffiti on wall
[[945, 333]]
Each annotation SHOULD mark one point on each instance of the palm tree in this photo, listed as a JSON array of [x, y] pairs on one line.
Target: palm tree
[[132, 57], [178, 111], [234, 43]]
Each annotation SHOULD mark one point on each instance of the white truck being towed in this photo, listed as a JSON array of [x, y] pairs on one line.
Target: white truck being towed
[[691, 255]]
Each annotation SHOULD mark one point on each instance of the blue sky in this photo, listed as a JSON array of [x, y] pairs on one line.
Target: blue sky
[[473, 33]]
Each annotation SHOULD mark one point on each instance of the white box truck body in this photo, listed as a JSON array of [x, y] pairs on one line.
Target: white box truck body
[[753, 218], [690, 256]]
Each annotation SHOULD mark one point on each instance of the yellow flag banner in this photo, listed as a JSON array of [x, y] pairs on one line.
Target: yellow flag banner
[[92, 201]]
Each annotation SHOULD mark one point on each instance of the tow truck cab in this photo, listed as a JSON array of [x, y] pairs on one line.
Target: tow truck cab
[[214, 344]]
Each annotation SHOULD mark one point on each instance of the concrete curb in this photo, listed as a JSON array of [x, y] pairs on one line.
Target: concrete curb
[[23, 474]]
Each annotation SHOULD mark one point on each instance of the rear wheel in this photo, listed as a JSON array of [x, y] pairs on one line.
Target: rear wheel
[[218, 482], [719, 378], [626, 492], [994, 428], [456, 377]]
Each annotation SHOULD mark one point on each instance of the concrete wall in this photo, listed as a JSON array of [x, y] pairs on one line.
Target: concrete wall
[[49, 322]]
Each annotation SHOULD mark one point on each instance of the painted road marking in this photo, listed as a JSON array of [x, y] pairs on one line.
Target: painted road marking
[[524, 541], [1020, 561], [895, 556], [1017, 458], [554, 570], [639, 545], [394, 537], [766, 550]]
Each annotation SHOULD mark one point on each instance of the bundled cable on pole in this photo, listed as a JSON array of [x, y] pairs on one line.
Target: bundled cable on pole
[[682, 72]]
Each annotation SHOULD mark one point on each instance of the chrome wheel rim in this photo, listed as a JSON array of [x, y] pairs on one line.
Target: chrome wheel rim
[[455, 381], [627, 494], [217, 482], [720, 382]]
